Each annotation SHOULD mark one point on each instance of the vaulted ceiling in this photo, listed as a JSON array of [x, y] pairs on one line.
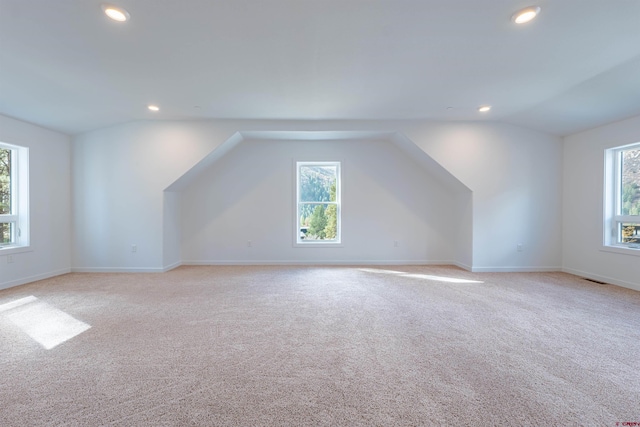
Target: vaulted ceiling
[[66, 66]]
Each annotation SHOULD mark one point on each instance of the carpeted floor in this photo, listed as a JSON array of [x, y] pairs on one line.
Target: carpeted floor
[[307, 346]]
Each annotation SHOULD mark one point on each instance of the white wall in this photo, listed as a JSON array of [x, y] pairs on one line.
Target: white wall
[[516, 178], [50, 204], [583, 205], [249, 195], [120, 174], [172, 229], [463, 236]]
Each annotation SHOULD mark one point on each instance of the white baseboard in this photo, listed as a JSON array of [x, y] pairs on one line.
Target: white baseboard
[[610, 280], [462, 266], [171, 266], [515, 269], [116, 270], [308, 262], [25, 280]]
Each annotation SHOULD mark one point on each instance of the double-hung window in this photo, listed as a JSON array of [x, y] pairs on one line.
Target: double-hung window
[[622, 210], [13, 196], [318, 203]]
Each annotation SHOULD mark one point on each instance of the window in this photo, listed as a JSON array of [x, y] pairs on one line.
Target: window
[[318, 203], [622, 210], [13, 196]]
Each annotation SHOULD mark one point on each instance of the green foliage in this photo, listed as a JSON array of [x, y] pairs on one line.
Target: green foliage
[[318, 185], [5, 193], [318, 223], [331, 229], [5, 181], [631, 199]]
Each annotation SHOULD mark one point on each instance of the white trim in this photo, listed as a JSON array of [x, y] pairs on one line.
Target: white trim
[[515, 269], [116, 270], [462, 266], [171, 266], [610, 280], [14, 249], [318, 244], [25, 280], [19, 215], [297, 242], [613, 218], [624, 250], [322, 262]]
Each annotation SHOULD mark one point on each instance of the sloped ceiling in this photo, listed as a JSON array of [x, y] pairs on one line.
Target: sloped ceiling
[[396, 138], [65, 66]]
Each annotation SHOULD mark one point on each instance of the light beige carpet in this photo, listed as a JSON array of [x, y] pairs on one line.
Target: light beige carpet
[[307, 346]]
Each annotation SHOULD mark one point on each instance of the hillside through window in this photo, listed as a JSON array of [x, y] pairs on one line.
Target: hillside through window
[[318, 202], [7, 205], [624, 185], [14, 197]]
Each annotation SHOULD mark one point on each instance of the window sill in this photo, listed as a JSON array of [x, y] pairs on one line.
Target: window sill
[[317, 245], [621, 250], [10, 250]]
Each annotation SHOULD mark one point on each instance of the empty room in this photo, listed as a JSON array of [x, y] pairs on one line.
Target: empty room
[[335, 213]]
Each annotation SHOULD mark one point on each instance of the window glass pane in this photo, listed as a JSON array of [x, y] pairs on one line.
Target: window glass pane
[[5, 181], [630, 199], [6, 233], [318, 221], [629, 233], [316, 183]]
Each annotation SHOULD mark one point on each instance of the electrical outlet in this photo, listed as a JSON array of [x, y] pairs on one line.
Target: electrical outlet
[[249, 243], [520, 247], [395, 243], [9, 259], [134, 249]]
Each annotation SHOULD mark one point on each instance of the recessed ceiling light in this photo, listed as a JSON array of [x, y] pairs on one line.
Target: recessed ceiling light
[[153, 107], [115, 13], [484, 108], [525, 15]]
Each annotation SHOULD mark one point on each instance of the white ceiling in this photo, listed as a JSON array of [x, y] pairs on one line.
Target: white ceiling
[[65, 66]]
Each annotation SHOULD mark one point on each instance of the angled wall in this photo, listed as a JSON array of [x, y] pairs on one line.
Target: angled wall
[[516, 178], [248, 196], [120, 175]]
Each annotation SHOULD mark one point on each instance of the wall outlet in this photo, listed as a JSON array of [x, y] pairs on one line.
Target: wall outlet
[[249, 244], [9, 259], [395, 243], [134, 249], [520, 247]]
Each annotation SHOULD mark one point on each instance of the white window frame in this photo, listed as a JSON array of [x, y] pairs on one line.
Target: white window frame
[[337, 242], [19, 216], [613, 217]]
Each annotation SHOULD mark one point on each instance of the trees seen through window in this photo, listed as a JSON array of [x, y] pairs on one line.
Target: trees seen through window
[[318, 202]]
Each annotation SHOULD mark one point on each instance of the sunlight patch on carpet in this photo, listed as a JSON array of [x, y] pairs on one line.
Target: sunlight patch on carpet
[[381, 271], [420, 276], [45, 324]]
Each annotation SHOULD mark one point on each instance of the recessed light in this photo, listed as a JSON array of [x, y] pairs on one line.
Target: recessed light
[[525, 15], [484, 108], [115, 13], [153, 107]]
